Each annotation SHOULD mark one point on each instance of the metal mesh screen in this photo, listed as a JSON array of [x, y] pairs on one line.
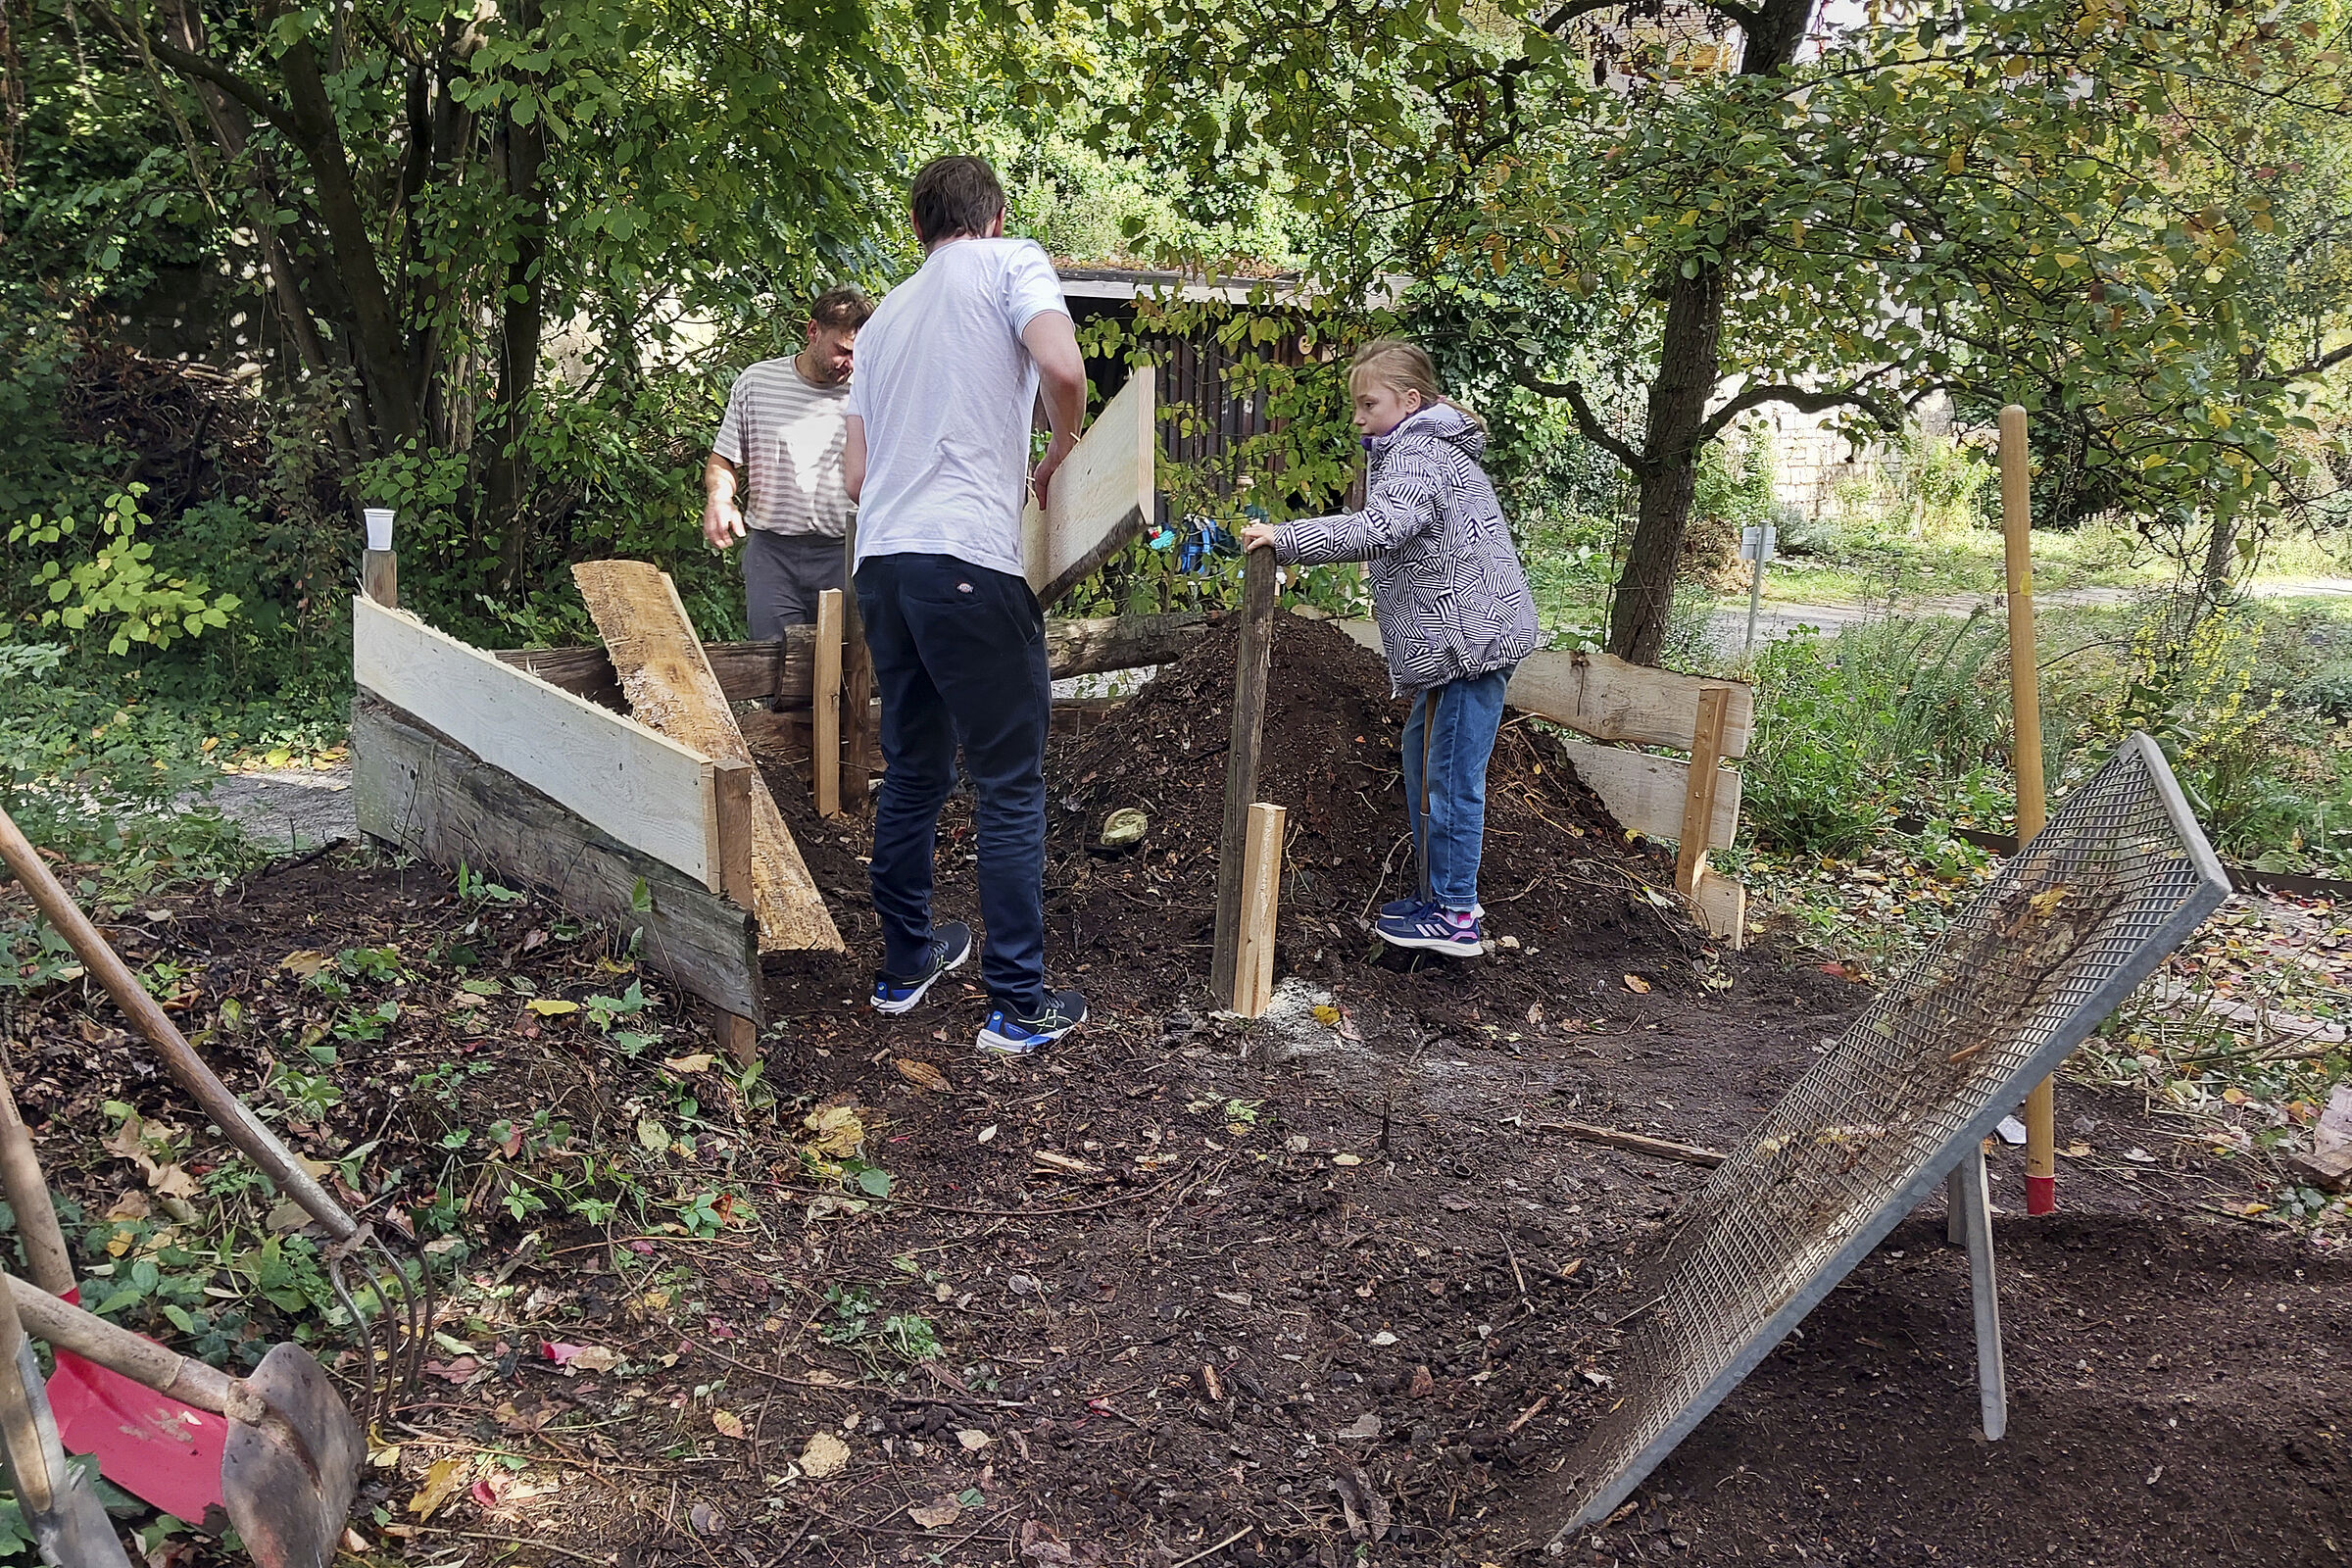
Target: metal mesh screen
[[2120, 877]]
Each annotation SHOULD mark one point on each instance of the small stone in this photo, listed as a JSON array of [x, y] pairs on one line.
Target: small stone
[[1422, 1385]]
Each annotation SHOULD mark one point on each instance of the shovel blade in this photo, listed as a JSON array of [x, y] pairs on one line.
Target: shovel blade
[[161, 1451], [289, 1499]]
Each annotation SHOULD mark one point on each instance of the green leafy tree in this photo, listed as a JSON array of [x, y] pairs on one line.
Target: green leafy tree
[[1985, 199]]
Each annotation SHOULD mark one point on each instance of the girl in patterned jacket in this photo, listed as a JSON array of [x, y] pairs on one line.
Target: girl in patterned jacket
[[1455, 619]]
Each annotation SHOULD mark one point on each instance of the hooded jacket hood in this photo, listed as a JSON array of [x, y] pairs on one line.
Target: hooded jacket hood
[[1439, 421]]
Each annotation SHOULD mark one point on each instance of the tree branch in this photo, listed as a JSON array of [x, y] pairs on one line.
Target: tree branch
[[203, 67], [1797, 398], [2326, 362], [1587, 422]]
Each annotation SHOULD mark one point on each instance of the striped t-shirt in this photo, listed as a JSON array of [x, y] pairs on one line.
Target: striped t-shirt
[[784, 436]]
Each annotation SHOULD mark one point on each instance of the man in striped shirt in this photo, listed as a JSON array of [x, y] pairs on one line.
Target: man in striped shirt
[[781, 441]]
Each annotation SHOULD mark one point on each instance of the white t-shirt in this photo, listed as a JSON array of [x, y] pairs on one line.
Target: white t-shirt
[[945, 386], [785, 436]]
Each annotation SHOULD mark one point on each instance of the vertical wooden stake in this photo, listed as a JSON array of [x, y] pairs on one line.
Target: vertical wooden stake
[[379, 576], [1698, 801], [824, 705], [856, 691], [2024, 699], [733, 780], [1261, 896], [1251, 659]]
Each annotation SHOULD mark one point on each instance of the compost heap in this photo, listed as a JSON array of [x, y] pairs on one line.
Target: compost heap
[[1585, 907]]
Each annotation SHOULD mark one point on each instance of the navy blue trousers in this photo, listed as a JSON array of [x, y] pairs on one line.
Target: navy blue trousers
[[959, 662]]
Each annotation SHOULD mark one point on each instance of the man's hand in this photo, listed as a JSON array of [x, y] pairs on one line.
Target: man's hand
[[1056, 450], [723, 521], [1258, 536]]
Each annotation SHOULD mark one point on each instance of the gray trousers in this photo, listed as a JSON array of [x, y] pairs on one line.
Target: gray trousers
[[782, 575]]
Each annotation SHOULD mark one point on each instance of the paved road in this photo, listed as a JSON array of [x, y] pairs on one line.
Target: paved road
[[1728, 625]]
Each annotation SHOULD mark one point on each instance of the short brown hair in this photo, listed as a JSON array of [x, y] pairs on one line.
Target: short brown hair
[[842, 307], [956, 195]]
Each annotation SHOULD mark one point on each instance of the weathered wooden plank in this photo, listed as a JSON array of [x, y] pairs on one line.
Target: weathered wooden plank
[[858, 717], [1261, 893], [736, 782], [1099, 498], [824, 705], [1698, 781], [1646, 792], [422, 790], [645, 790], [784, 671], [379, 576], [1251, 658], [1721, 905], [1610, 700], [672, 689]]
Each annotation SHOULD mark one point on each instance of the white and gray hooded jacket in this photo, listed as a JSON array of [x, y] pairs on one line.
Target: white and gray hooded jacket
[[1447, 585]]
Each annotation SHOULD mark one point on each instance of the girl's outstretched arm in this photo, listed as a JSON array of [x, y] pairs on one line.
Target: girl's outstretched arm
[[1402, 505]]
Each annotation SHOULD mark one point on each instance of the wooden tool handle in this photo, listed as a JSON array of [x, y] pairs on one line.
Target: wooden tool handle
[[28, 1196], [68, 1327], [241, 1127]]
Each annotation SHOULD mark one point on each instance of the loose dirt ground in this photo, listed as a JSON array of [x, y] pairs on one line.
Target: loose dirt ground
[[1320, 1288]]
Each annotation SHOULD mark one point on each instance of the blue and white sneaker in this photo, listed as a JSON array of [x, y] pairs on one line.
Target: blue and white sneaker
[[1427, 928], [1399, 906], [1062, 1012], [951, 945]]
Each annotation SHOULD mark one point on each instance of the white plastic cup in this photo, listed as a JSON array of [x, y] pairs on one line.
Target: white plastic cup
[[379, 527]]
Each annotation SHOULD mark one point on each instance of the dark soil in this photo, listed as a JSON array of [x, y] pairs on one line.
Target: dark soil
[[1173, 1266]]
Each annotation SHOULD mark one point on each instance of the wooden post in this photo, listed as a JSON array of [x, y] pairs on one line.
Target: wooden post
[[1699, 799], [1261, 877], [379, 576], [1251, 659], [2024, 699], [824, 705], [856, 691], [740, 1035]]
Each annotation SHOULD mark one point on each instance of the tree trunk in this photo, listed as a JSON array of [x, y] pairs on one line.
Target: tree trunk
[[1689, 366], [509, 479], [2221, 560]]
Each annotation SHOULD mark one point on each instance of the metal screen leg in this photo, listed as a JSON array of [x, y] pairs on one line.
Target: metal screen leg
[[1976, 1215], [1955, 1223]]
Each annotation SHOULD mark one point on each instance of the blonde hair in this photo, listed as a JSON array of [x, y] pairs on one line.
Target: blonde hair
[[1404, 367]]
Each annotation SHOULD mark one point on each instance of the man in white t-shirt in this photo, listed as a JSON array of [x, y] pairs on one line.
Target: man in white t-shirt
[[949, 370], [782, 439]]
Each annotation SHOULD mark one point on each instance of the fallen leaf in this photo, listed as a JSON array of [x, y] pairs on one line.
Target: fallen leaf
[[986, 1133], [728, 1423], [455, 1370], [937, 1515], [706, 1520], [1327, 1015], [700, 1062], [170, 1181], [1346, 1159], [305, 962], [130, 1206], [441, 1482], [551, 1007], [582, 1357], [2076, 1151], [1422, 1385], [483, 1494], [1366, 1425], [840, 1130], [287, 1215], [921, 1074], [2047, 900], [1635, 983], [653, 1135], [825, 1456], [972, 1439]]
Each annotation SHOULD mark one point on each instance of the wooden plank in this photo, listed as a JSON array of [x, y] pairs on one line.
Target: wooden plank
[[420, 789], [1099, 498], [1699, 799], [379, 576], [859, 725], [1252, 652], [735, 784], [1721, 907], [1610, 700], [670, 688], [824, 700], [1646, 792], [644, 789], [785, 671], [1261, 877]]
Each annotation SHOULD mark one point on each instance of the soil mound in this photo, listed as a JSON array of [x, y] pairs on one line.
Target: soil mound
[[1558, 876]]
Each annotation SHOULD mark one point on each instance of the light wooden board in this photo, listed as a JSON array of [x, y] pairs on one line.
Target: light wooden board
[[1721, 905], [670, 689], [1099, 498], [645, 790], [1262, 894], [1604, 696], [435, 798], [1610, 700], [1646, 792]]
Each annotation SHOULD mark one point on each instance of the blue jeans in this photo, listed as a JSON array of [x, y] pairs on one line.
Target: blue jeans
[[959, 659], [1461, 737]]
